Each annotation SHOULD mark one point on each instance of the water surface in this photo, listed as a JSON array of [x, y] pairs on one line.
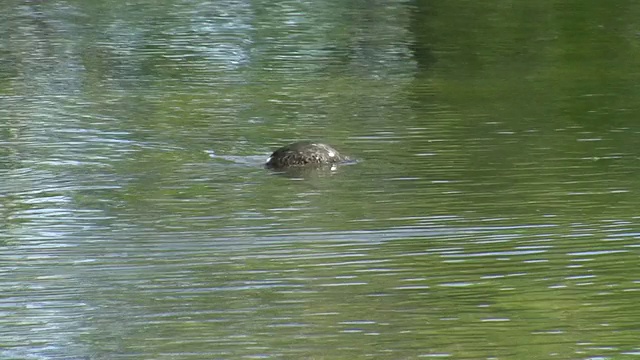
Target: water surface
[[492, 213]]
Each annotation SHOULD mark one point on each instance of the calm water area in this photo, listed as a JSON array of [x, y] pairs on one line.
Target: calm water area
[[493, 213]]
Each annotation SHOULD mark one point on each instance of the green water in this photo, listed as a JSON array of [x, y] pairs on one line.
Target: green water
[[493, 212]]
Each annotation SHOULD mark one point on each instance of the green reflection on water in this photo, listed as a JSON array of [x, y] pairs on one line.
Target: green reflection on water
[[492, 213]]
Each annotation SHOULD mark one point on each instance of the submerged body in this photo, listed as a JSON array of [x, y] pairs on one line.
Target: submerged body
[[304, 154]]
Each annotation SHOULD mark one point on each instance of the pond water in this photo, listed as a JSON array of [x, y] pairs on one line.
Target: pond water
[[492, 214]]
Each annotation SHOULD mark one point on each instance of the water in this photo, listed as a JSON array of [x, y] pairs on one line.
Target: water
[[492, 213]]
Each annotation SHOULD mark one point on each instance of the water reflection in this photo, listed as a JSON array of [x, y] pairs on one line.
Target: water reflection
[[496, 193]]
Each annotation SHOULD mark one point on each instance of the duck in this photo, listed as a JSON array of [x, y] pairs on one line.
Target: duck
[[305, 154]]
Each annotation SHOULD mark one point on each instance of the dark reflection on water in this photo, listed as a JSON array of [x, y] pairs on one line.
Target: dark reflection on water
[[491, 214]]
